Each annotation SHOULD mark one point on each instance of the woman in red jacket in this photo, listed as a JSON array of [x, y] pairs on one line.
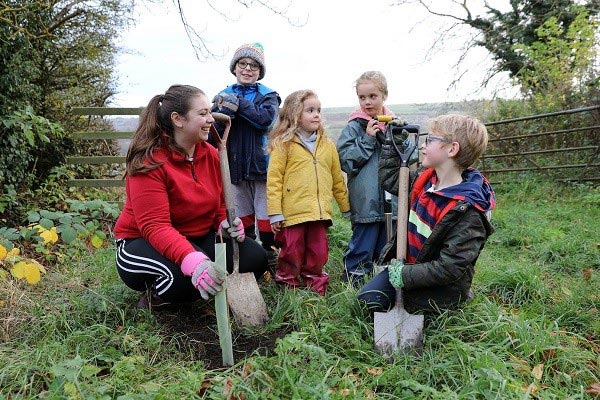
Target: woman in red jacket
[[175, 206]]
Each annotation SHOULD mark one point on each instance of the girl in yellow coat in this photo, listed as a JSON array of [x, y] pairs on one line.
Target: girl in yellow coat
[[304, 177]]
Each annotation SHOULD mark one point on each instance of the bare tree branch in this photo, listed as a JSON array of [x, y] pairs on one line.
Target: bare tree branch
[[199, 44], [197, 40], [66, 15]]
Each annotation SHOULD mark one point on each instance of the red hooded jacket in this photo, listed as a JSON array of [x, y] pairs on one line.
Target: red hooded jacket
[[177, 200]]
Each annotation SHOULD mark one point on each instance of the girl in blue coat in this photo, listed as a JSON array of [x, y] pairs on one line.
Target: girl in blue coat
[[359, 153]]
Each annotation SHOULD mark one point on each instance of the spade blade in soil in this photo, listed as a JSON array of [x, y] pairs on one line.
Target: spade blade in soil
[[245, 300], [398, 331]]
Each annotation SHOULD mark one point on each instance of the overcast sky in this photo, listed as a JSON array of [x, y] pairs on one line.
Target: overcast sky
[[336, 42]]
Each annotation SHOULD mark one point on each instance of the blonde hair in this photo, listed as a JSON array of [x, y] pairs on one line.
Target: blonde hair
[[289, 120], [377, 78], [469, 132]]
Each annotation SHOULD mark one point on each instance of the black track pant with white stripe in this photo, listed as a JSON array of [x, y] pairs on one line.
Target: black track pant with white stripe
[[140, 266]]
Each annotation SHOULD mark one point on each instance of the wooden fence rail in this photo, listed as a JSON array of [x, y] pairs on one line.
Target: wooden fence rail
[[100, 135]]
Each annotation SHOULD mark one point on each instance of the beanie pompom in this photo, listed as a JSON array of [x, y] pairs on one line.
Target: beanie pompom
[[254, 51]]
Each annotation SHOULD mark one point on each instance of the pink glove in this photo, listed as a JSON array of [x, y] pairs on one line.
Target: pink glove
[[235, 232], [205, 277], [207, 280]]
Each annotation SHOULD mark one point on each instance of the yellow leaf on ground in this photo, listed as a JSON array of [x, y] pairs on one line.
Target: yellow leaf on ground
[[538, 371], [32, 274], [3, 252], [14, 252], [29, 269], [18, 270], [50, 236], [97, 242]]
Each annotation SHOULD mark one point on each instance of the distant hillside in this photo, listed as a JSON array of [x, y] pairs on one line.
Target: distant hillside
[[336, 118], [124, 124]]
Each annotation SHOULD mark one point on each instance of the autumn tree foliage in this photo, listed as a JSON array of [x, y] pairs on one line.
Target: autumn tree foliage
[[542, 44], [55, 54]]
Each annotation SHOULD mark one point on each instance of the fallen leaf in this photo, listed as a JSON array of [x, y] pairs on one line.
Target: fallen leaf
[[538, 371], [3, 252], [206, 384], [594, 389], [375, 371], [531, 389], [247, 370], [548, 354], [345, 392], [49, 236], [227, 388], [587, 274], [208, 311], [97, 241]]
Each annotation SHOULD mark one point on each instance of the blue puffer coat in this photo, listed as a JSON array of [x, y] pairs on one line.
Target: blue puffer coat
[[246, 149]]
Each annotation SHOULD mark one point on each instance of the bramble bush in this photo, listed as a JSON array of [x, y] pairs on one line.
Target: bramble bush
[[51, 236]]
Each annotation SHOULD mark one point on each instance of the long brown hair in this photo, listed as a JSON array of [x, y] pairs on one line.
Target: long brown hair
[[156, 128]]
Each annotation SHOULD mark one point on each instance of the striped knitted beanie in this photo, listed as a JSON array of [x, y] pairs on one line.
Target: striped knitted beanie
[[252, 50]]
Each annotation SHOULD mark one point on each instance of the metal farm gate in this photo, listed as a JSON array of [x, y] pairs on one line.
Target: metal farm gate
[[567, 152]]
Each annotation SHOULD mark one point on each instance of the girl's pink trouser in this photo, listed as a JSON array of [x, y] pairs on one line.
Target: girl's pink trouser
[[304, 252]]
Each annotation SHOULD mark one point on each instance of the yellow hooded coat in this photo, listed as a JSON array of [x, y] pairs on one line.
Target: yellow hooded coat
[[301, 185]]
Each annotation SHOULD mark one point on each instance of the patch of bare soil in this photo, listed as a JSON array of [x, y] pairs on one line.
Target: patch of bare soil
[[194, 328]]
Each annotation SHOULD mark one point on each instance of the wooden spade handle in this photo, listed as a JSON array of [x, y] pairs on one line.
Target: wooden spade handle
[[226, 180], [402, 223]]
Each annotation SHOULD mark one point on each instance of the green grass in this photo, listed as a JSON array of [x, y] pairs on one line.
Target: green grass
[[532, 331]]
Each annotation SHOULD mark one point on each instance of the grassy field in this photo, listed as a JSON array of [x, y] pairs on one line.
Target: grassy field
[[532, 331]]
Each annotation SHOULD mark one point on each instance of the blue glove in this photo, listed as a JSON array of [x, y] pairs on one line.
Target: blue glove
[[395, 273], [226, 103]]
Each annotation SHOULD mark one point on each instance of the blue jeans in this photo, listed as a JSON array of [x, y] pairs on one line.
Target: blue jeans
[[378, 294], [364, 248]]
